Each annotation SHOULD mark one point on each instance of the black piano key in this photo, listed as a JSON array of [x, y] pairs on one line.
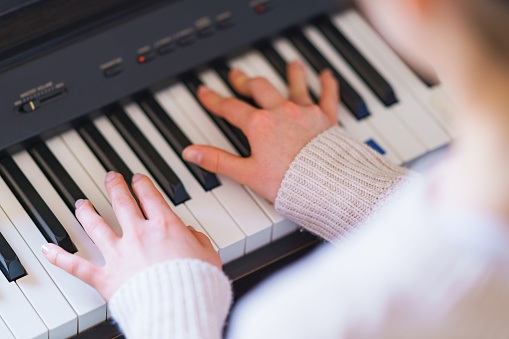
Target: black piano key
[[278, 63], [35, 206], [161, 172], [10, 265], [348, 95], [222, 68], [57, 175], [103, 151], [106, 154], [177, 140], [378, 84], [235, 135]]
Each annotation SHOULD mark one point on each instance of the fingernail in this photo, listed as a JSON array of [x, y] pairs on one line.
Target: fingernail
[[79, 203], [327, 72], [237, 71], [204, 89], [192, 155], [45, 249], [191, 228], [110, 176], [137, 177], [298, 63]]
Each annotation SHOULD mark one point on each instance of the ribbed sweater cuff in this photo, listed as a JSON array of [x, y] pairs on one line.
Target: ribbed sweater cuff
[[335, 183], [184, 298]]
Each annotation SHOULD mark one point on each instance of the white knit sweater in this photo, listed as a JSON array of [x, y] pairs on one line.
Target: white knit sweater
[[406, 269]]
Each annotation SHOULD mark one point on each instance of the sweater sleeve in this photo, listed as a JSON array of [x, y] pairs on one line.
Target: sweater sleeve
[[184, 298], [335, 183]]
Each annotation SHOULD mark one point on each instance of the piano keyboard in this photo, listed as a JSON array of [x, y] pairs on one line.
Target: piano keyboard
[[384, 104]]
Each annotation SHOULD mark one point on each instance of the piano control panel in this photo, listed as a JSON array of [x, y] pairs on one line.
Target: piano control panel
[[125, 58]]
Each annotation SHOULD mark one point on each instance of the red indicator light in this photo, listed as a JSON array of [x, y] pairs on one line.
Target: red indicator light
[[141, 59], [260, 8]]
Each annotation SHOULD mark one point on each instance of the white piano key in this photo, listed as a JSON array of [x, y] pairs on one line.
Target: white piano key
[[223, 231], [193, 188], [39, 289], [86, 301], [87, 159], [251, 221], [18, 315], [376, 50], [80, 176], [247, 214], [5, 333], [362, 131], [388, 121], [281, 226]]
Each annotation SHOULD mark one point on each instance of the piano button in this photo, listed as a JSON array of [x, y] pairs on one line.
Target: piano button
[[348, 95], [430, 124], [223, 69], [387, 121], [377, 83], [37, 286], [84, 300], [57, 175], [10, 265], [360, 130], [164, 175], [176, 139], [246, 213], [35, 206], [235, 135], [17, 312], [81, 177]]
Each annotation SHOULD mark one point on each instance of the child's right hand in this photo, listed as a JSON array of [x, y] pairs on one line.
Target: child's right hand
[[276, 132]]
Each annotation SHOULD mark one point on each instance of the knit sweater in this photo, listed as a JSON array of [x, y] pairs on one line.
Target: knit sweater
[[400, 267]]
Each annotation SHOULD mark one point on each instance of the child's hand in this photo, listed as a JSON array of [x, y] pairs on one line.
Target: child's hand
[[160, 237], [276, 133]]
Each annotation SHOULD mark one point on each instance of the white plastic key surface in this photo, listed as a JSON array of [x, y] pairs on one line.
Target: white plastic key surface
[[38, 287], [4, 331], [378, 52], [388, 121], [362, 131], [84, 182], [86, 301], [16, 312], [87, 159]]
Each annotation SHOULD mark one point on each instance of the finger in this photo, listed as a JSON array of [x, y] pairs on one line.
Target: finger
[[151, 200], [260, 89], [329, 100], [216, 160], [95, 226], [73, 264], [297, 80], [124, 205], [202, 238], [234, 110]]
